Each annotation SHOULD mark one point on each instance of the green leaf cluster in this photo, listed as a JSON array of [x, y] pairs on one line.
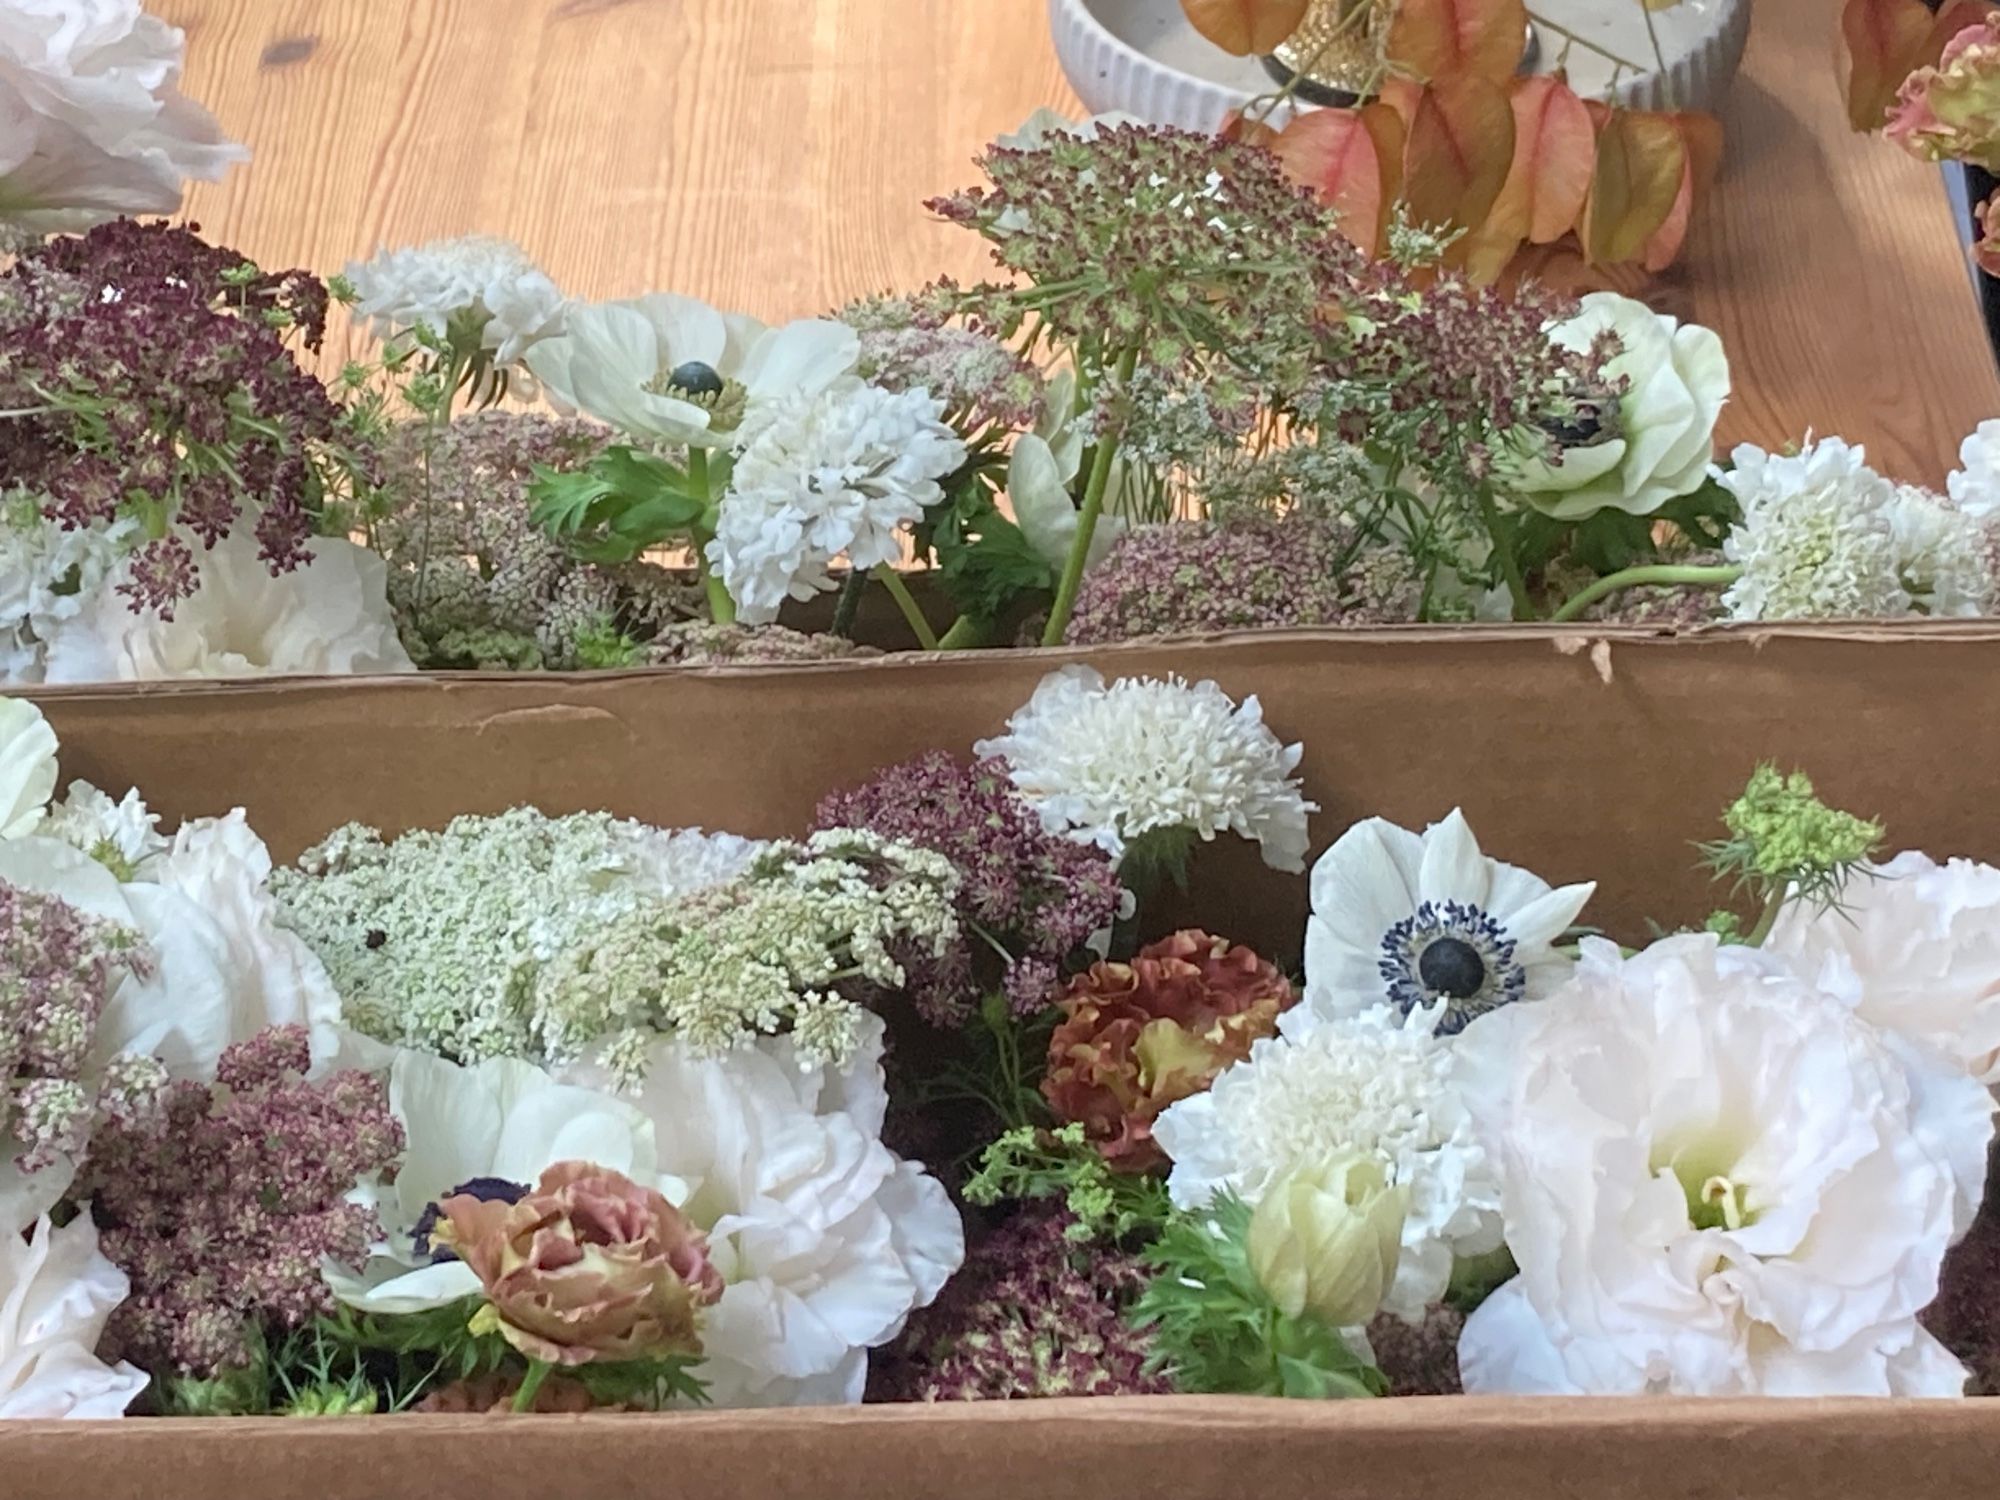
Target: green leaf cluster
[[1027, 1164]]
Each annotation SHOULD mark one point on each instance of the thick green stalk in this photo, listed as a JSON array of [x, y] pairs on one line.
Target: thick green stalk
[[1086, 520], [1717, 577], [531, 1384], [1503, 548], [900, 592], [966, 634], [721, 608]]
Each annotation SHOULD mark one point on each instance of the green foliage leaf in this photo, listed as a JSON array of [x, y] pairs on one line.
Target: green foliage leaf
[[1029, 1164], [626, 501], [986, 566]]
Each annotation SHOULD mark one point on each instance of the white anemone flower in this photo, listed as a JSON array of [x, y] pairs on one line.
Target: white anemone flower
[[329, 616], [1677, 382], [1914, 948], [1375, 1085], [1110, 763], [478, 292], [27, 767], [490, 1129], [92, 120], [57, 1291], [827, 1240], [1717, 1180], [1429, 923], [671, 369]]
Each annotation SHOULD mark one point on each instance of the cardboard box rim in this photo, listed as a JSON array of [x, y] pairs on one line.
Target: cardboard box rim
[[1855, 696]]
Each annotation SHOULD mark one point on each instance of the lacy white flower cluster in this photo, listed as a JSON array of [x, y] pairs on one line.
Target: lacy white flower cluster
[[1112, 763], [552, 938], [1823, 536], [478, 292]]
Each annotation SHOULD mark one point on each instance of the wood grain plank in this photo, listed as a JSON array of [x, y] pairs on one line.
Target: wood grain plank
[[773, 155]]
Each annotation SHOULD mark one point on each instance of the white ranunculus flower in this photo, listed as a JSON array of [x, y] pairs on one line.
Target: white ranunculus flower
[[494, 1128], [27, 767], [57, 1291], [1717, 1180], [328, 616], [1817, 539], [655, 367], [1429, 923], [92, 120], [480, 292], [827, 1239], [1375, 1085], [1664, 432], [1975, 486], [1107, 763], [1913, 947]]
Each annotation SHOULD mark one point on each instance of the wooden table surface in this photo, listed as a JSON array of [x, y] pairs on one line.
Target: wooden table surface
[[772, 156]]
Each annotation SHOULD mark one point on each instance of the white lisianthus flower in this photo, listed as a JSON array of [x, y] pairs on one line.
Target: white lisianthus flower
[[827, 1240], [491, 1130], [1427, 923], [480, 293], [1914, 948], [1975, 486], [27, 767], [123, 836], [1109, 763], [1660, 441], [1946, 556], [330, 616], [57, 1291], [1377, 1086], [842, 473], [92, 120], [671, 369], [1718, 1180], [48, 572], [1817, 539]]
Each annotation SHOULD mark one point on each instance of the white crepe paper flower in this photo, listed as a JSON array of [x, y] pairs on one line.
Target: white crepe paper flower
[[1376, 1085], [1718, 1180], [1427, 923], [490, 1129], [27, 767], [479, 292], [327, 617], [1945, 555], [671, 369], [1914, 948], [92, 120], [1677, 382], [840, 474], [1975, 485], [827, 1240], [1817, 539], [1109, 763], [57, 1291]]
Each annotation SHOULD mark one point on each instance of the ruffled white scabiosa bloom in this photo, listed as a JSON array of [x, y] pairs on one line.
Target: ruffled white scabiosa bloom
[[840, 473], [57, 1291], [92, 120], [1946, 555], [1975, 485], [48, 573], [123, 836], [1817, 539], [827, 1239], [1914, 948], [330, 616], [1427, 923], [1718, 1180], [1108, 763], [479, 293], [671, 369], [1376, 1085]]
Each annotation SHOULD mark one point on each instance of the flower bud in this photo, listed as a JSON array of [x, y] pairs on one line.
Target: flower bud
[[1326, 1240]]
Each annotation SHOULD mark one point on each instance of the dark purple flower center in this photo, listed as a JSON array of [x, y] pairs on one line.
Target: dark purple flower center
[[485, 1189]]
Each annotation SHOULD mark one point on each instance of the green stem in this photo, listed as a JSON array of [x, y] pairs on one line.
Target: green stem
[[721, 608], [1583, 41], [439, 420], [1086, 520], [1717, 577], [849, 601], [1503, 548], [1773, 904], [531, 1384], [966, 634], [900, 592]]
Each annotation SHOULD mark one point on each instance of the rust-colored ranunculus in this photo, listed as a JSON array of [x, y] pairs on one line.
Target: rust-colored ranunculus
[[588, 1266], [1137, 1037]]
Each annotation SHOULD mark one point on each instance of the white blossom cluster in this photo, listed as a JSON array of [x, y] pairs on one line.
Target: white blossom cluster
[[480, 289], [48, 573]]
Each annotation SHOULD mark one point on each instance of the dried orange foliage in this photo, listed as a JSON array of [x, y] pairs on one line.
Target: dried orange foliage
[[1246, 26], [1887, 41]]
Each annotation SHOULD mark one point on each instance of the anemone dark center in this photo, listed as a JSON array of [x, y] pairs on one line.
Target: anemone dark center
[[485, 1189], [1451, 966], [696, 378]]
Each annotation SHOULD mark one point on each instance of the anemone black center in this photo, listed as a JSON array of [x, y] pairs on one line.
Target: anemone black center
[[696, 378], [485, 1189], [1581, 429], [1452, 966]]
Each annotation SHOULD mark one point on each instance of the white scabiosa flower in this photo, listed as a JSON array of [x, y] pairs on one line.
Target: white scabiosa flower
[[330, 616], [1376, 1086], [480, 293], [1427, 923], [839, 474], [1108, 763], [1717, 1180], [48, 573], [27, 767], [1975, 486], [57, 1291], [123, 836], [1946, 556], [1914, 948], [1817, 539]]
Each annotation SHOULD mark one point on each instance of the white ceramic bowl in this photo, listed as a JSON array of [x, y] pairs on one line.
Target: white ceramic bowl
[[1142, 57]]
